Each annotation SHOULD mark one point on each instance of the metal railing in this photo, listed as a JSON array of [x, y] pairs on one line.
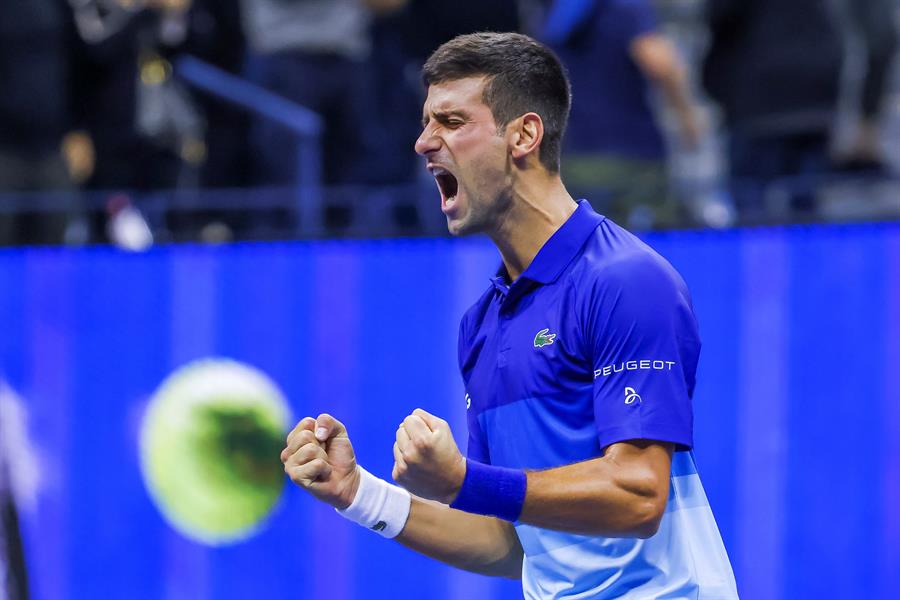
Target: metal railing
[[304, 123]]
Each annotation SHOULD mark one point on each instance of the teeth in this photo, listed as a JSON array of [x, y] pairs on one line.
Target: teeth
[[439, 171], [451, 200]]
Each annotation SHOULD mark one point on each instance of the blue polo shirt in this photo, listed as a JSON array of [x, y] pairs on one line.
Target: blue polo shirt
[[595, 343]]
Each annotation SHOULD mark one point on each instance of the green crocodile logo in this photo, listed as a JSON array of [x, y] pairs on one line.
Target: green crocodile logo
[[544, 338]]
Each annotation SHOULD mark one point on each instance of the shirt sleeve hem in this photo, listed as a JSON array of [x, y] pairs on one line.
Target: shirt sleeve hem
[[607, 437]]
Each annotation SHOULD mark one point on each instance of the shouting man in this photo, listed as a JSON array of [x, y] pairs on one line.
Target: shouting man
[[578, 361]]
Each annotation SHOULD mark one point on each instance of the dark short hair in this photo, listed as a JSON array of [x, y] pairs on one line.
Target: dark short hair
[[523, 76]]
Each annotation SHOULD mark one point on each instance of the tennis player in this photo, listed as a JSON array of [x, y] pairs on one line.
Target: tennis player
[[578, 362]]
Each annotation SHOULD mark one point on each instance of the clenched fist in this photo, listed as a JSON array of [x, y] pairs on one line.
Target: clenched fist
[[427, 461], [319, 458]]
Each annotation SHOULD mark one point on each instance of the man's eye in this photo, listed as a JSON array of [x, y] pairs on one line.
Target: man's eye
[[454, 123]]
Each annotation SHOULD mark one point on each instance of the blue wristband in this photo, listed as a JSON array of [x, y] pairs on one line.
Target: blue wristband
[[492, 491]]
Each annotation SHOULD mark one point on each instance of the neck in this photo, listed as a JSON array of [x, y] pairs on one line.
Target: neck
[[538, 208]]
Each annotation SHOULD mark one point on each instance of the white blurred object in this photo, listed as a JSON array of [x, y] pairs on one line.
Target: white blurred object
[[698, 177], [216, 233], [126, 226], [98, 20], [77, 233], [18, 461], [717, 210]]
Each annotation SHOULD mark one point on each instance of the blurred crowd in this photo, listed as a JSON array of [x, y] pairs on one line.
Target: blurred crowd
[[685, 112]]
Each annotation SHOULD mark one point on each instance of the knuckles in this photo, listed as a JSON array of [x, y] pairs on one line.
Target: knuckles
[[306, 437], [308, 453], [422, 445], [304, 455], [300, 432]]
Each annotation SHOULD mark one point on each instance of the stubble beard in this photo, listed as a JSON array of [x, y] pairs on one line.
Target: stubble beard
[[484, 213]]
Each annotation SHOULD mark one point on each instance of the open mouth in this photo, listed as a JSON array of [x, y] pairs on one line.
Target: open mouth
[[447, 185]]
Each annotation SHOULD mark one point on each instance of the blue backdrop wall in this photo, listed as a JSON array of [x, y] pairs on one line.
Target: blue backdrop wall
[[797, 403]]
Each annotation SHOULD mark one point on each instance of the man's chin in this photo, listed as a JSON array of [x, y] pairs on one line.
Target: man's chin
[[460, 227], [465, 221]]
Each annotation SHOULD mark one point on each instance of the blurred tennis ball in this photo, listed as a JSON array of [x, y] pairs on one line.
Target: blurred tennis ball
[[210, 444]]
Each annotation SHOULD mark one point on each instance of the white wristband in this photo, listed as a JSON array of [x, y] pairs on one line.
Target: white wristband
[[378, 505]]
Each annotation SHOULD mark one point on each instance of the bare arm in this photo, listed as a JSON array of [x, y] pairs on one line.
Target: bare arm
[[474, 543], [621, 494], [658, 60], [320, 459]]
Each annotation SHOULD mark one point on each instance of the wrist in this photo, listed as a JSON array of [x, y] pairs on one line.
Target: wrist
[[378, 505], [352, 490], [492, 491], [458, 478]]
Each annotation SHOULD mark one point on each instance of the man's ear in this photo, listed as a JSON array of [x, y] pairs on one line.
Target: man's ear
[[526, 134]]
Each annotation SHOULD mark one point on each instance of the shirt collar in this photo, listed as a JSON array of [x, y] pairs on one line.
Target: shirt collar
[[558, 251]]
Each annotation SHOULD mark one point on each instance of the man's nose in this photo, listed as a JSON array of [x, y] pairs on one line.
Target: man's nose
[[427, 143]]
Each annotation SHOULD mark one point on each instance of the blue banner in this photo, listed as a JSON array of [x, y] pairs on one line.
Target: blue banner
[[797, 410]]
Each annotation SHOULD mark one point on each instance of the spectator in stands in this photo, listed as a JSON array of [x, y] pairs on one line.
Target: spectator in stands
[[615, 153], [872, 24], [215, 35], [775, 68], [41, 145], [314, 53], [145, 128]]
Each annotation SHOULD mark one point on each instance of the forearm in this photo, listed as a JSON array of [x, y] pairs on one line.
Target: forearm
[[474, 543], [674, 87], [319, 458], [672, 82], [596, 497], [659, 62], [621, 494]]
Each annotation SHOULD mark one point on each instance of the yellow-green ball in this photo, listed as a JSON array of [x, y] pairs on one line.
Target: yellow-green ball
[[210, 444]]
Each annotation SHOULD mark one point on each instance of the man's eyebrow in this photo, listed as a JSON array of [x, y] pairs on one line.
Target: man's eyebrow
[[443, 115]]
